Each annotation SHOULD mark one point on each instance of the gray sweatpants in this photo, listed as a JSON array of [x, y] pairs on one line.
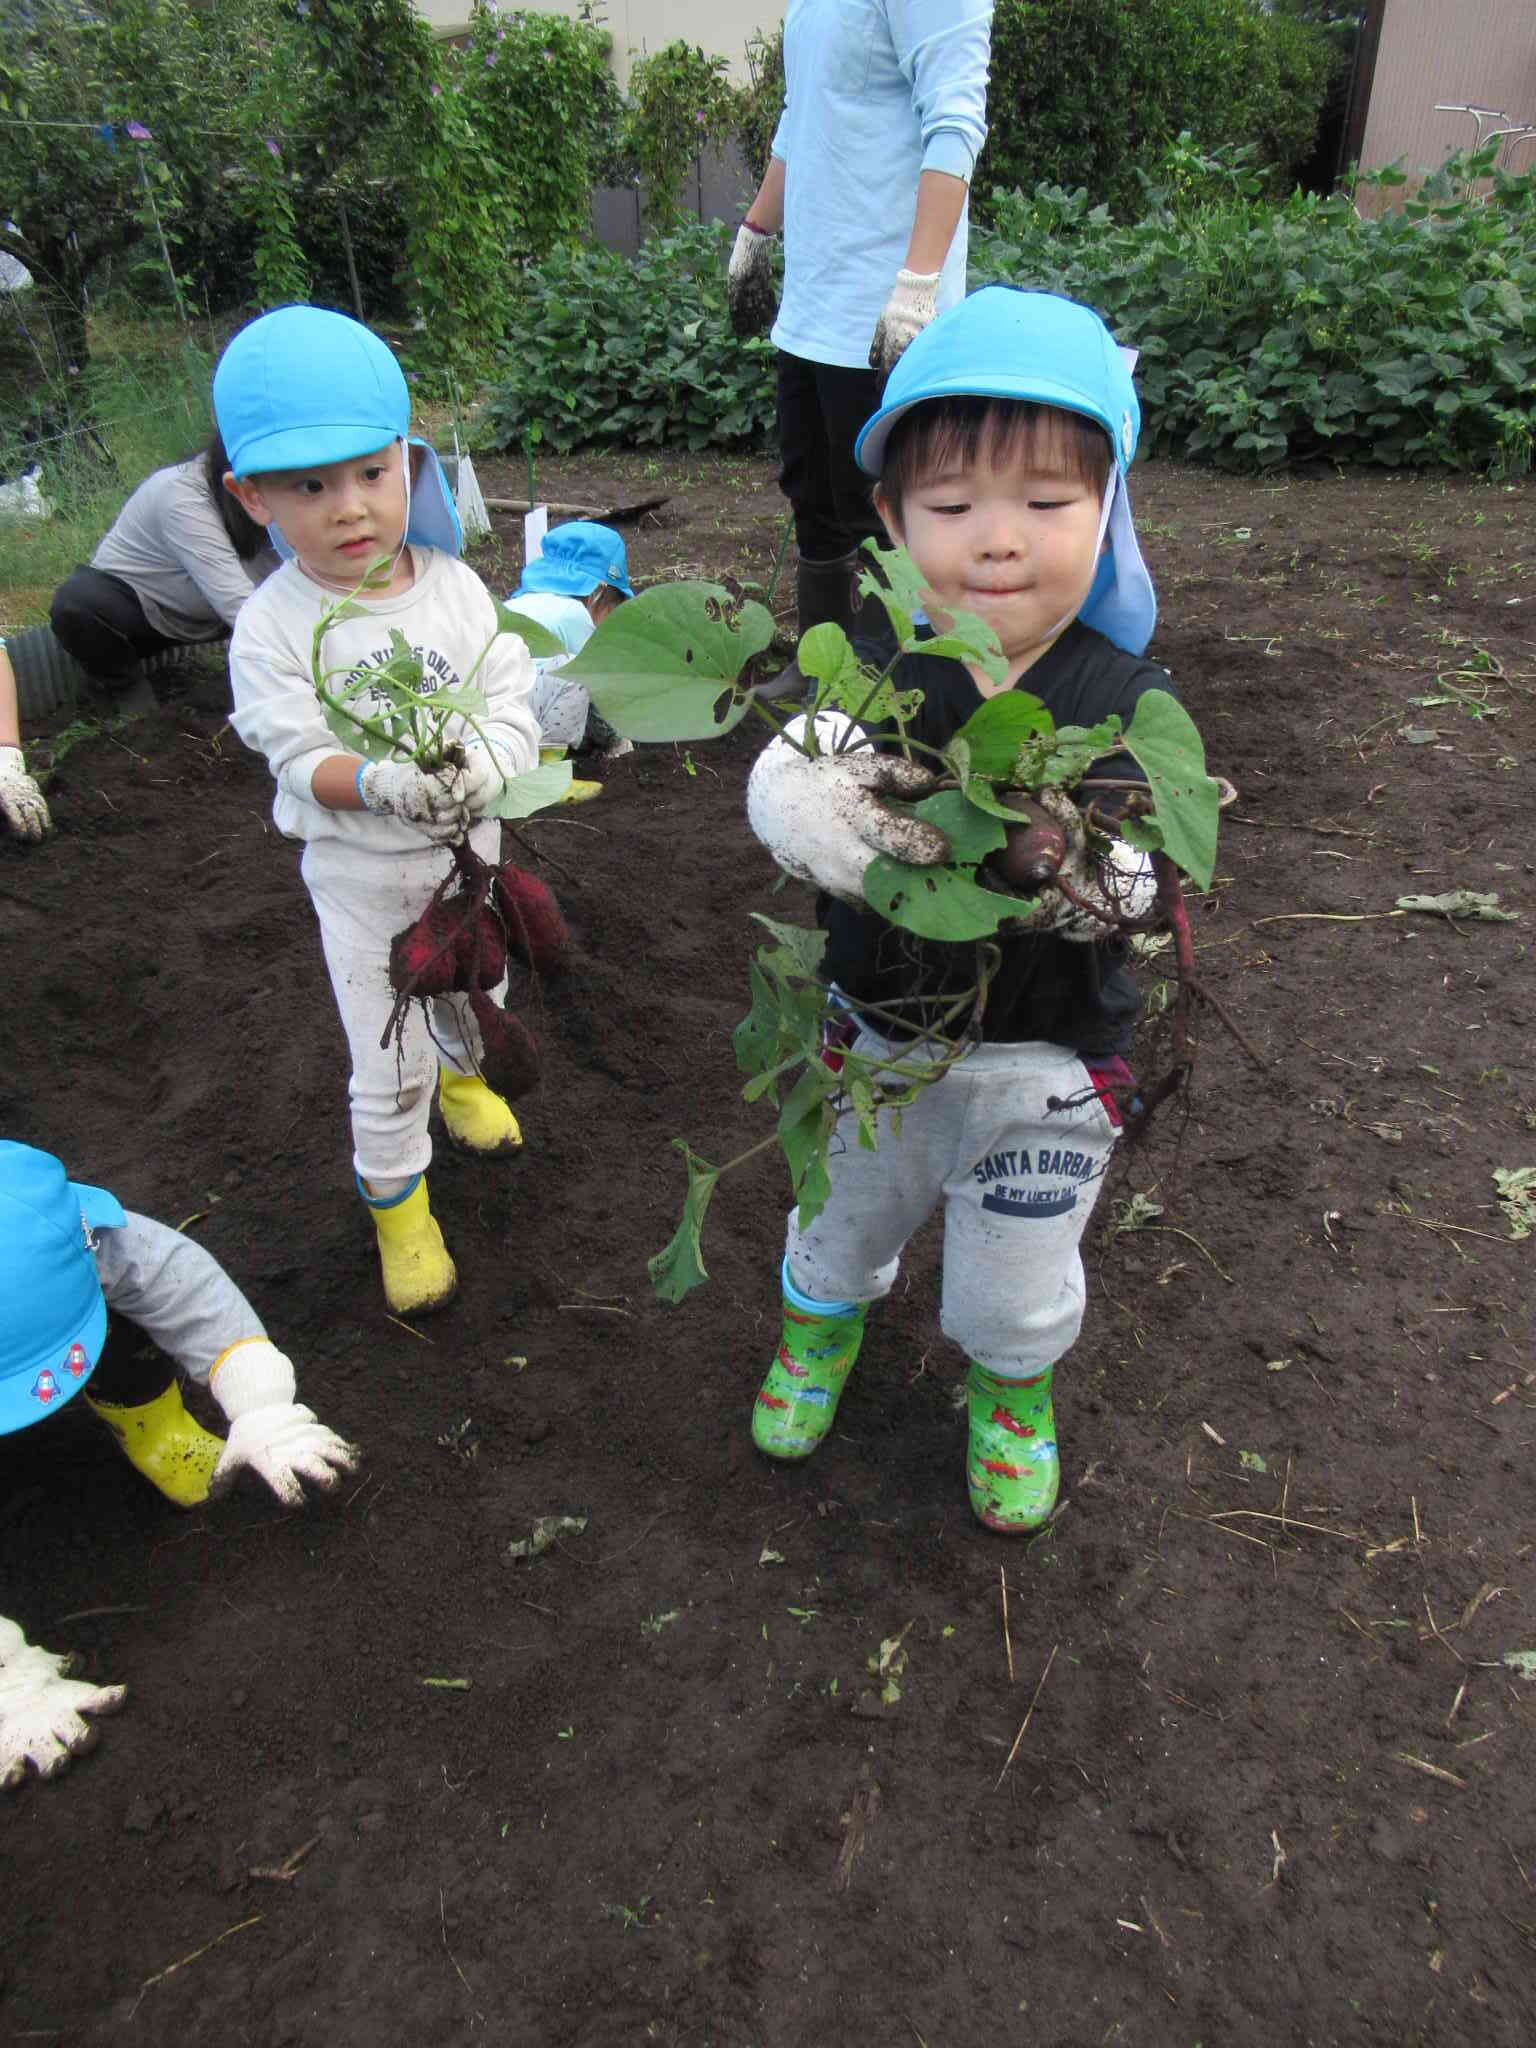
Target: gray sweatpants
[[1017, 1182]]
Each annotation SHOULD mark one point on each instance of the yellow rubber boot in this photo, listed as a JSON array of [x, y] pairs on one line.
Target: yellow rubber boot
[[418, 1273], [161, 1440], [475, 1117], [579, 792]]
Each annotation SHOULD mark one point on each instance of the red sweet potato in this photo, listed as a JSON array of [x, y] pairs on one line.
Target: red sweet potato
[[481, 949], [509, 1059], [423, 959], [536, 930]]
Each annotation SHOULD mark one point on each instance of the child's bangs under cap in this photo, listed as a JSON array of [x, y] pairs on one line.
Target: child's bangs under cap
[[941, 436], [303, 387]]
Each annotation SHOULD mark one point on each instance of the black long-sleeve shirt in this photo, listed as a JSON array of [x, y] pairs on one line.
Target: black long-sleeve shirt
[[1075, 994]]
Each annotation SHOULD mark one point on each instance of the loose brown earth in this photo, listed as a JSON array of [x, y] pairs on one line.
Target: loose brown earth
[[1275, 1785]]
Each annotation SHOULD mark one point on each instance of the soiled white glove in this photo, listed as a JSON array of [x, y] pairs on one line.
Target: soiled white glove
[[399, 789], [21, 801], [1118, 880], [484, 778], [41, 1708], [270, 1434], [822, 820], [907, 312], [749, 288]]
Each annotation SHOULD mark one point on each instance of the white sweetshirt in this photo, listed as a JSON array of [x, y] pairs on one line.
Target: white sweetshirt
[[447, 617]]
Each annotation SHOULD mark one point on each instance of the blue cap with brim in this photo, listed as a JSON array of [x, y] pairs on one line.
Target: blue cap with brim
[[303, 387], [576, 558], [1003, 342], [53, 1315]]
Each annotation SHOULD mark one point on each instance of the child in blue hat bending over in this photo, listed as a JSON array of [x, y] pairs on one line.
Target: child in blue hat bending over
[[81, 1278], [570, 588], [1001, 453], [315, 415]]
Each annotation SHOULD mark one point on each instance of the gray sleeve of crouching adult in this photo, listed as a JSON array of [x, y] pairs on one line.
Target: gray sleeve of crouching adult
[[175, 1292], [170, 547]]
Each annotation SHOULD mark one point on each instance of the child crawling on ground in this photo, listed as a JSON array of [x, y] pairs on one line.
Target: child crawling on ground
[[1001, 451], [570, 587], [315, 415]]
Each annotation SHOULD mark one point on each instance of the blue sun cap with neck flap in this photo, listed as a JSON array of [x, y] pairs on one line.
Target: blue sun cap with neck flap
[[53, 1315], [302, 387], [1004, 342]]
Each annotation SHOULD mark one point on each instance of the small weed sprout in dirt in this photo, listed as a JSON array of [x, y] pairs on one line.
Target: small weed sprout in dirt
[[460, 943], [669, 666], [1517, 1197]]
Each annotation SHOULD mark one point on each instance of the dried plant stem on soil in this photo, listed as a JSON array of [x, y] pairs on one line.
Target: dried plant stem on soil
[[171, 1968], [1045, 1674], [1418, 1763], [442, 1921], [863, 1809]]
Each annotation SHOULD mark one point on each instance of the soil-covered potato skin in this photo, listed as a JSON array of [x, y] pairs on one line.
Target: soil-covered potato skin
[[1033, 850], [1218, 1826]]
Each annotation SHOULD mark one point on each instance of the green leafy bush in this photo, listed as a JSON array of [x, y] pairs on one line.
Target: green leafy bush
[[760, 103], [537, 91], [680, 99], [1282, 334], [639, 352], [1081, 98], [1268, 334]]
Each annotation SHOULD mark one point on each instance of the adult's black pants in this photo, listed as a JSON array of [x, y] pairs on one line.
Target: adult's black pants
[[98, 619], [821, 409]]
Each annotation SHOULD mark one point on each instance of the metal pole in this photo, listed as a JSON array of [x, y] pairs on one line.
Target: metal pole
[[165, 254], [346, 244]]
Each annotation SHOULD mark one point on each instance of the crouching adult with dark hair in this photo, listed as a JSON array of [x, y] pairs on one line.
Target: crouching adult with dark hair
[[180, 560]]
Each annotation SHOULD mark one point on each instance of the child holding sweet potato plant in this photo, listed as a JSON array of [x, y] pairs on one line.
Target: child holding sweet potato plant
[[1001, 450], [315, 415]]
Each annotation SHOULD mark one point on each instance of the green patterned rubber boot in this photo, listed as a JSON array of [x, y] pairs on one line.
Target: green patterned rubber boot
[[797, 1401], [1011, 1464]]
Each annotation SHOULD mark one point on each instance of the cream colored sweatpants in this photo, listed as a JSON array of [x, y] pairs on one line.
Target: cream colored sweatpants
[[362, 899]]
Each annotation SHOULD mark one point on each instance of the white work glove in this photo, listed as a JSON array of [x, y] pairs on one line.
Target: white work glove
[[1120, 880], [41, 1708], [907, 312], [399, 789], [822, 820], [749, 287], [21, 801], [270, 1433], [485, 777]]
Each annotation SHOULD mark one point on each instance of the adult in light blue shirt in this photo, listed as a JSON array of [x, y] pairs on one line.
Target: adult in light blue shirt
[[884, 114]]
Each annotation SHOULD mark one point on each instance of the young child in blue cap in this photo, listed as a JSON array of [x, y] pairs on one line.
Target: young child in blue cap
[[315, 415], [79, 1277], [1001, 453], [571, 587]]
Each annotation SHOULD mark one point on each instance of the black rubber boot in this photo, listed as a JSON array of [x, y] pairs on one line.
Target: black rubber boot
[[826, 594]]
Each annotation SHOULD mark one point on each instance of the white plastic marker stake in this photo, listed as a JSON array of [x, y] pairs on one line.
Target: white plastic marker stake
[[535, 526], [468, 498]]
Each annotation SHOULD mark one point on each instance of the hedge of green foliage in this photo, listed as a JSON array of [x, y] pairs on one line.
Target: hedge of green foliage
[[1273, 335], [1081, 96], [1268, 334], [635, 351]]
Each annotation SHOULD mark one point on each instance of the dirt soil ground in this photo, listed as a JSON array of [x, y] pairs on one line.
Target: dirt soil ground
[[1276, 1780]]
